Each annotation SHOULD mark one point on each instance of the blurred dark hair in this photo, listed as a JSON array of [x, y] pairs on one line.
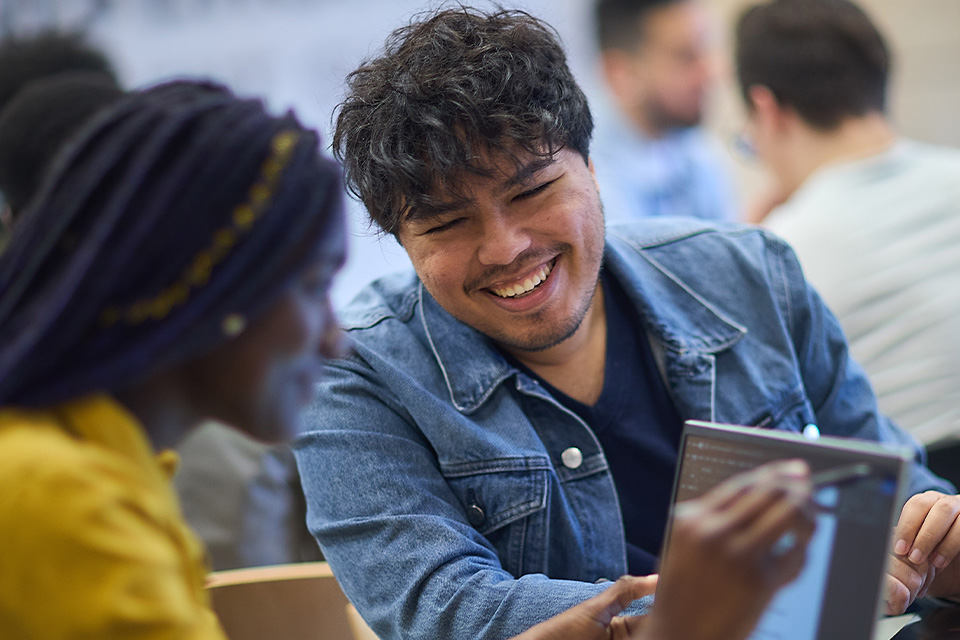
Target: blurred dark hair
[[39, 121], [24, 59], [823, 58], [178, 207], [620, 23], [449, 89]]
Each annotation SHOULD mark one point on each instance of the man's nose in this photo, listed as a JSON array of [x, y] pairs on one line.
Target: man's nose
[[501, 240]]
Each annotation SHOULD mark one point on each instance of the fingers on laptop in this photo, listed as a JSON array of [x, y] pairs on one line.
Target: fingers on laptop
[[619, 596], [929, 529], [925, 542], [904, 583], [775, 477]]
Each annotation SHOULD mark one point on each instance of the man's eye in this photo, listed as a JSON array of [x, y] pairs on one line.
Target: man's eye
[[536, 190], [443, 227]]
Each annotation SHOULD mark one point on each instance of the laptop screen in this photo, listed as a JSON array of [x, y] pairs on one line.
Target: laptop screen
[[838, 592]]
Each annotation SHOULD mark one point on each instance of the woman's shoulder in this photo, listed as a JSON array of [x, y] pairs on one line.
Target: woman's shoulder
[[32, 444], [50, 476], [87, 534]]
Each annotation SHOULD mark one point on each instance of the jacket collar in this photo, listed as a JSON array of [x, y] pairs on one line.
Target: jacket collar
[[675, 314], [472, 367]]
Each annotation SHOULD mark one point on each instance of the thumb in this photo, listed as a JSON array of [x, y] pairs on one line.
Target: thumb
[[605, 606]]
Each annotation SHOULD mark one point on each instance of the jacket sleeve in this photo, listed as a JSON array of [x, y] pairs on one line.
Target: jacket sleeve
[[394, 532], [843, 399]]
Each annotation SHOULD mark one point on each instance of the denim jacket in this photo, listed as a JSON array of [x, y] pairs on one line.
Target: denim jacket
[[433, 471]]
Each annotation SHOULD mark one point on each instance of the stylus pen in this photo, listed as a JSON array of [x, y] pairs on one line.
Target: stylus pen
[[840, 475]]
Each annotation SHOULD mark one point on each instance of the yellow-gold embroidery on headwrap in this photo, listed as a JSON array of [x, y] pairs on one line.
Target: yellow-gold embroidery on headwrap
[[197, 273]]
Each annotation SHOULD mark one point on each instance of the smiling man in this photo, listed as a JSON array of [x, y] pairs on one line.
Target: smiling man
[[537, 234], [503, 439]]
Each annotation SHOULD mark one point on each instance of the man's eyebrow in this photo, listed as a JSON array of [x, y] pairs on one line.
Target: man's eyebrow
[[525, 172], [433, 211]]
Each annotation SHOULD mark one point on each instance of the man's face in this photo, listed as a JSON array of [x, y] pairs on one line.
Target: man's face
[[519, 260], [672, 67]]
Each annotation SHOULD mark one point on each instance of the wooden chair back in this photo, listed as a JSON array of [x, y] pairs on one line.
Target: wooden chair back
[[300, 601]]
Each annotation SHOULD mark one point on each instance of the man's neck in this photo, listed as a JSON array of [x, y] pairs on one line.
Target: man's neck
[[576, 365], [854, 139]]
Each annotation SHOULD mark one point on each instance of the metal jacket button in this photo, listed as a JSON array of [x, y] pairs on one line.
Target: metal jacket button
[[572, 458], [475, 515]]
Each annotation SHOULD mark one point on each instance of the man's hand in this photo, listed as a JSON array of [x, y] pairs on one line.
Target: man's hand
[[596, 618], [925, 543]]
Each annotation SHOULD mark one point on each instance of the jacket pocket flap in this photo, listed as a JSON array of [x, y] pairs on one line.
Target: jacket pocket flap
[[495, 493]]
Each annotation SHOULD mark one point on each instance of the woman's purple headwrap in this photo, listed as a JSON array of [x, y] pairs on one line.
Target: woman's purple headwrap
[[180, 206]]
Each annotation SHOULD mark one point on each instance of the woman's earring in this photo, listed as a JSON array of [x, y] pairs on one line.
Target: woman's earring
[[233, 325]]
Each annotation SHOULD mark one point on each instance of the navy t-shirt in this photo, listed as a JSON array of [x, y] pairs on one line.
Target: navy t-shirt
[[638, 427]]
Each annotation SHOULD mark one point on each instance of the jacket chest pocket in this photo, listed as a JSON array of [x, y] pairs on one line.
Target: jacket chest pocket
[[791, 413], [506, 505]]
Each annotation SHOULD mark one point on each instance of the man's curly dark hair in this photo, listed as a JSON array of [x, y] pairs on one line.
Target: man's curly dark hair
[[451, 90]]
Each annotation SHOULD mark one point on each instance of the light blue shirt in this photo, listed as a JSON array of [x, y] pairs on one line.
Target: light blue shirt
[[435, 474], [679, 174]]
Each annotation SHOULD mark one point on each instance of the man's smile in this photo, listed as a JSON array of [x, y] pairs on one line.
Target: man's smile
[[525, 284]]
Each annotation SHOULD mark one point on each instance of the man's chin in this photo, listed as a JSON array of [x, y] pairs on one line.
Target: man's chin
[[675, 120], [536, 343], [686, 123]]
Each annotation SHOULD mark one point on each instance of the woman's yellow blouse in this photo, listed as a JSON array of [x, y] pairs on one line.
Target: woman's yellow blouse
[[92, 540]]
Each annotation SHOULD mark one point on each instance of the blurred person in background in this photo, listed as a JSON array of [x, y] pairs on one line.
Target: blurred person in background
[[26, 59], [37, 123], [874, 217], [652, 156], [875, 221]]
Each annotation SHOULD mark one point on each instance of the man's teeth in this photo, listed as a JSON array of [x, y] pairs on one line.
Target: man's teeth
[[529, 284]]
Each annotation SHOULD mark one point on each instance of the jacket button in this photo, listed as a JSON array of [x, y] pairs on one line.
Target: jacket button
[[475, 515], [572, 458], [811, 431]]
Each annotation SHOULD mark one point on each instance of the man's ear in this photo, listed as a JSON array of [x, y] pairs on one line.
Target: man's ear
[[593, 172], [766, 108]]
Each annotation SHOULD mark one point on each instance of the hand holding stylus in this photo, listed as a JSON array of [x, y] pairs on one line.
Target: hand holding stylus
[[723, 561]]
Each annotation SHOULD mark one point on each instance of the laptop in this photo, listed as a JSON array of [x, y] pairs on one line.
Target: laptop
[[838, 593]]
